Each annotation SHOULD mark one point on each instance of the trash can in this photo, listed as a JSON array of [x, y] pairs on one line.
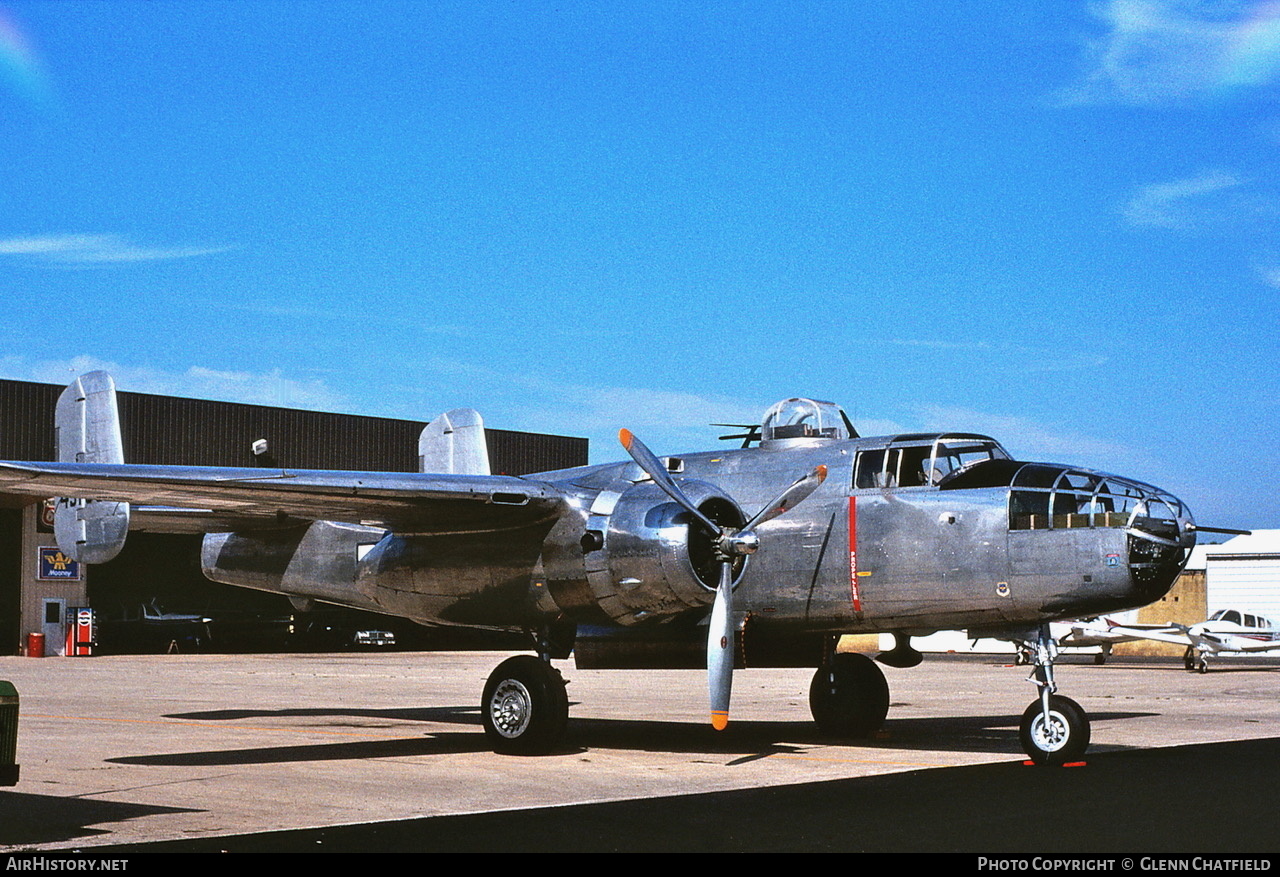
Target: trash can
[[35, 645], [8, 734]]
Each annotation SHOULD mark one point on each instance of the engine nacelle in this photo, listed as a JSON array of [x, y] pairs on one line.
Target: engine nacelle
[[637, 555]]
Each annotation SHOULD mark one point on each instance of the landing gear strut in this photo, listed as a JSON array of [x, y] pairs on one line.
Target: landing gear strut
[[1054, 729], [525, 706], [849, 696], [1194, 661]]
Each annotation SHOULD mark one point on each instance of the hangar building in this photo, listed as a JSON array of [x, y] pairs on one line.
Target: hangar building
[[1244, 573], [157, 578]]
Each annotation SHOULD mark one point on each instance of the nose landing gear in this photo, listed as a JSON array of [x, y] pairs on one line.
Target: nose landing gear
[[1054, 729]]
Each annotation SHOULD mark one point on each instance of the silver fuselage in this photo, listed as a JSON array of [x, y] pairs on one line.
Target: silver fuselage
[[994, 545]]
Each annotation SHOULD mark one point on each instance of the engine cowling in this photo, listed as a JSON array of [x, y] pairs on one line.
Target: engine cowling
[[638, 556]]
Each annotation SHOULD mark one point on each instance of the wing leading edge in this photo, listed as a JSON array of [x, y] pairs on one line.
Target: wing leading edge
[[424, 503]]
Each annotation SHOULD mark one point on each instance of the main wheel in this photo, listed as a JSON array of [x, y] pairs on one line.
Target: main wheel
[[1061, 739], [525, 706], [850, 698]]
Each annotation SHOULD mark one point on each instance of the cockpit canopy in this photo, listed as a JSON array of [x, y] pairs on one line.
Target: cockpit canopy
[[803, 419], [1244, 619], [925, 460]]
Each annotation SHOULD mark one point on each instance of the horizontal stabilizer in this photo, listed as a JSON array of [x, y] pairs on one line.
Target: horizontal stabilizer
[[87, 430], [454, 444]]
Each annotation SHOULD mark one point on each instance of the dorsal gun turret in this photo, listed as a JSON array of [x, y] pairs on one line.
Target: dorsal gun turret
[[797, 421]]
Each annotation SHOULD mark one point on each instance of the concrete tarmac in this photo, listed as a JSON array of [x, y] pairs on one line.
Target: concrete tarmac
[[385, 751]]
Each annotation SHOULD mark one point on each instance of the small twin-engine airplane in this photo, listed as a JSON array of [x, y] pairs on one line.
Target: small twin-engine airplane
[[1224, 632], [635, 564]]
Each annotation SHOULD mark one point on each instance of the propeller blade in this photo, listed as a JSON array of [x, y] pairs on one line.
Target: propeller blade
[[720, 649], [789, 498], [654, 469]]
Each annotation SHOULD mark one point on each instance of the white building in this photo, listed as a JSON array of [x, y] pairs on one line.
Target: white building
[[1244, 573]]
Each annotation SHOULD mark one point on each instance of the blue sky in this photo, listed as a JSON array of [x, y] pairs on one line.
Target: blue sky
[[1053, 223]]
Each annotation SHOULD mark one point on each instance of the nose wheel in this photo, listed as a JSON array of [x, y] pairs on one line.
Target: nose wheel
[[1055, 737], [1054, 729]]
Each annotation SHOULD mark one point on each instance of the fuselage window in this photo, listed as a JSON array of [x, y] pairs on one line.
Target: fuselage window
[[871, 471]]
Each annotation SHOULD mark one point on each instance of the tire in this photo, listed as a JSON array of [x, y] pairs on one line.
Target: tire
[[851, 698], [525, 707], [1066, 737]]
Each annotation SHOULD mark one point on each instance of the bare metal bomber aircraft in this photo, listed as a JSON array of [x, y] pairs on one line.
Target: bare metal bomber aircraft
[[639, 564]]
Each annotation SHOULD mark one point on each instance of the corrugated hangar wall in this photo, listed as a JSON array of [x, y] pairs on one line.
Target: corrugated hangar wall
[[166, 430]]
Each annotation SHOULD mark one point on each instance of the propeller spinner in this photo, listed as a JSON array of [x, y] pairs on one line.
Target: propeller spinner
[[729, 544]]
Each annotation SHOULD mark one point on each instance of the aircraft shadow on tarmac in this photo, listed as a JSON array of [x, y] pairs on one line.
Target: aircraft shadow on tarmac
[[751, 740], [1176, 799], [47, 819], [469, 715]]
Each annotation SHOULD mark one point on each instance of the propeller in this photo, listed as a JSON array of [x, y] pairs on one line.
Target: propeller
[[728, 545]]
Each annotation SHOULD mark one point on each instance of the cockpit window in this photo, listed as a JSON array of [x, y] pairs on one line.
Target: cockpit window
[[870, 469], [923, 460], [951, 454]]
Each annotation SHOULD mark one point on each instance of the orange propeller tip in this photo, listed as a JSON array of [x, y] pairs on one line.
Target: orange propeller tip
[[719, 721], [624, 436]]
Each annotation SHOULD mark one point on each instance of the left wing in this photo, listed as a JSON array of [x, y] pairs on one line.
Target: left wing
[[424, 503]]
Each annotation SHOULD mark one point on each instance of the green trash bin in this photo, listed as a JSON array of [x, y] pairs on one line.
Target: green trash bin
[[8, 734]]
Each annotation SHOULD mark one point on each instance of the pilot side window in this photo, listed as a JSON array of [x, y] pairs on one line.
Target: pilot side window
[[893, 467], [870, 470]]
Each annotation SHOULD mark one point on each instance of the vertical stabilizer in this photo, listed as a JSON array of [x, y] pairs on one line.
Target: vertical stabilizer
[[454, 444], [87, 430]]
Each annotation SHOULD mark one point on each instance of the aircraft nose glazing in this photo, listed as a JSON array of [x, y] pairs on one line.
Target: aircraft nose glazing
[[1158, 528], [1161, 534]]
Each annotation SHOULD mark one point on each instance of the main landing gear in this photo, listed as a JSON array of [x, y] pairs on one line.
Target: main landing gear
[[849, 696], [525, 706], [1054, 729], [1195, 662]]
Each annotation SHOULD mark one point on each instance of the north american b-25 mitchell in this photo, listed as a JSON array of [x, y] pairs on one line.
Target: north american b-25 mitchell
[[654, 560]]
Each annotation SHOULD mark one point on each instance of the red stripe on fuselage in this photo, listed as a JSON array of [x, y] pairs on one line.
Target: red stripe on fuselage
[[853, 554]]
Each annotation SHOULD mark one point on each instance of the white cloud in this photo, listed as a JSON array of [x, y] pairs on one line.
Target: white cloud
[[197, 382], [1182, 203], [95, 249], [1163, 51]]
